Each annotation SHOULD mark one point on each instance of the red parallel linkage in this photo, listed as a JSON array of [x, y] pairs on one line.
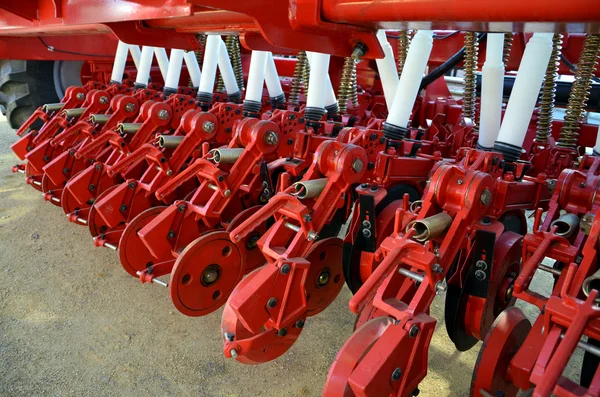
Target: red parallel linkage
[[458, 224], [235, 179]]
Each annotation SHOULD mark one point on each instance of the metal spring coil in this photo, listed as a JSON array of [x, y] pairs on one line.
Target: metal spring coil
[[297, 80], [236, 59], [305, 72], [347, 84], [508, 42], [580, 91], [470, 67], [403, 44], [548, 93]]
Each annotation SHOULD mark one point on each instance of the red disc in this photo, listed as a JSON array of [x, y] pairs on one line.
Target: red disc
[[96, 224], [504, 339], [205, 273], [350, 355], [133, 253], [253, 256], [325, 277], [35, 174], [274, 344]]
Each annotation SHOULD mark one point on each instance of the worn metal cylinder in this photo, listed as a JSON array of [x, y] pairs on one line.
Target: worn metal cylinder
[[566, 224], [431, 227], [128, 128], [311, 188], [226, 155], [590, 283], [74, 112], [52, 107], [169, 141], [99, 118]]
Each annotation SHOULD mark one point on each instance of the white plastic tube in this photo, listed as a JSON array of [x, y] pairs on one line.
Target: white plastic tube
[[143, 73], [193, 67], [597, 146], [136, 54], [492, 85], [163, 61], [256, 76], [526, 89], [272, 78], [388, 72], [330, 99], [174, 70], [317, 85], [410, 80], [119, 63], [226, 69], [209, 65]]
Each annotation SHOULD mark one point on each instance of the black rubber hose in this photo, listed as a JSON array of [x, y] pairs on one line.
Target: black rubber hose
[[447, 66]]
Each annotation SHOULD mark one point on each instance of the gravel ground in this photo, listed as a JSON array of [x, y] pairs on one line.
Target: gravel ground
[[72, 322]]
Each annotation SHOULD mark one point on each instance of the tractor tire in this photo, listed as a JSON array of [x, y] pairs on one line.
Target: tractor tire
[[24, 86]]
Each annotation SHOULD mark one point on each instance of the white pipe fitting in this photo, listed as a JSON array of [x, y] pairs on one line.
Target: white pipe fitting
[[193, 67], [272, 78], [317, 85], [256, 76], [388, 72], [136, 54], [410, 80], [492, 85], [174, 71], [163, 61], [143, 73], [525, 90], [227, 74], [119, 63], [209, 65]]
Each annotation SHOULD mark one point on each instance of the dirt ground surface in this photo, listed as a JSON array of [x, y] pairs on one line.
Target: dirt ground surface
[[73, 322]]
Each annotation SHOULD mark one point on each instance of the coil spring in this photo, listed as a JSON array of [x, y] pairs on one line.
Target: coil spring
[[305, 73], [580, 91], [298, 77], [508, 42], [236, 59], [347, 89], [548, 92], [403, 44], [199, 54], [470, 66]]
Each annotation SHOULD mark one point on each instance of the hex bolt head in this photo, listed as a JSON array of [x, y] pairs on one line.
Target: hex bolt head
[[227, 192], [414, 331], [130, 107], [271, 138], [103, 100], [307, 218], [285, 269], [459, 182], [208, 127], [163, 114], [272, 303], [81, 96], [437, 268], [299, 324], [357, 165], [282, 332], [486, 197], [397, 374]]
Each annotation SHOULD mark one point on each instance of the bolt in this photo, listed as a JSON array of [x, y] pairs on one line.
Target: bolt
[[91, 186], [131, 185], [312, 235], [486, 197], [357, 165], [123, 207], [366, 224], [233, 353], [397, 374], [171, 234], [323, 278], [414, 331], [440, 287], [103, 100], [285, 269], [208, 127], [163, 114], [299, 324], [181, 207], [65, 170], [307, 218], [272, 303], [481, 265], [271, 138], [460, 182], [130, 107], [359, 50], [80, 96], [582, 185], [282, 332], [169, 172], [367, 233], [437, 268], [227, 192], [480, 275]]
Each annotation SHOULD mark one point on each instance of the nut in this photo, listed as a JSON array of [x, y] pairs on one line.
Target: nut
[[486, 197], [271, 138], [163, 114], [208, 126], [130, 107], [357, 165]]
